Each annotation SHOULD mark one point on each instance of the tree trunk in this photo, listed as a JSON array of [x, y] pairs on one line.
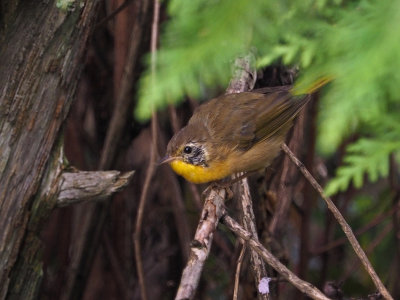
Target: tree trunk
[[41, 47]]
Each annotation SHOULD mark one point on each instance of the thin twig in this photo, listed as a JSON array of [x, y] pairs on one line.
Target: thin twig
[[375, 242], [95, 218], [115, 263], [306, 287], [124, 98], [237, 273], [249, 224], [142, 203], [345, 227], [284, 201], [196, 195], [377, 220], [151, 166], [114, 13], [181, 221]]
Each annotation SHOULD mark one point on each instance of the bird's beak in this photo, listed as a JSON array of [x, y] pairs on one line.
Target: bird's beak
[[166, 159]]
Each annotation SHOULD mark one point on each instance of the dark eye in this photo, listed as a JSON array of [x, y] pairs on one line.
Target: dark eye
[[187, 150]]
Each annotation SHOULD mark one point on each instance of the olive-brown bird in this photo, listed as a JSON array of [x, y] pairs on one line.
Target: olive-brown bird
[[233, 133]]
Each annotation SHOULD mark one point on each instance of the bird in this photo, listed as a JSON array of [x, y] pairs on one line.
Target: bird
[[233, 133]]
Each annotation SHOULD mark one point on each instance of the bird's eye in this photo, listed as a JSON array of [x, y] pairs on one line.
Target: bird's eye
[[187, 150]]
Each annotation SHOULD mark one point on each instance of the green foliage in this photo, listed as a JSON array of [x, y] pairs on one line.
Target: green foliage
[[368, 156], [363, 55], [203, 37], [65, 5], [355, 43]]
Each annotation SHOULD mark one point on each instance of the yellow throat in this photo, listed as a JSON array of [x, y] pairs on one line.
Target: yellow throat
[[200, 174]]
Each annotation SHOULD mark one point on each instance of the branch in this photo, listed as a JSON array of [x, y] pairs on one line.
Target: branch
[[121, 110], [201, 245], [238, 268], [306, 287], [249, 223], [245, 75], [244, 79], [152, 163], [345, 227], [82, 186]]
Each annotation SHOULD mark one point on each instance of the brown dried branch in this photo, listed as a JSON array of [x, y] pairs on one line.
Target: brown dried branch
[[181, 221], [237, 273], [377, 220], [345, 227], [121, 110], [152, 162], [142, 203], [114, 13], [201, 245], [375, 242], [303, 286], [249, 223], [82, 186], [244, 78], [96, 217]]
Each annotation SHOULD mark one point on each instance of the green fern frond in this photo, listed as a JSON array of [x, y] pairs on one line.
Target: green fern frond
[[363, 55], [366, 156], [203, 38]]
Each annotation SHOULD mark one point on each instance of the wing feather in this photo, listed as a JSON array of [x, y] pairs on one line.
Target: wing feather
[[245, 119]]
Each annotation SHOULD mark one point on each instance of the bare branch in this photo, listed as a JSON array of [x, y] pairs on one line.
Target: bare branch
[[151, 167], [249, 223], [82, 186], [124, 98], [345, 227], [201, 245], [306, 287], [340, 241], [238, 268], [244, 78]]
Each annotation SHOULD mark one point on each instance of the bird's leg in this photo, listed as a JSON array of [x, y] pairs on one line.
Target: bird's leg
[[226, 184], [219, 185], [239, 176]]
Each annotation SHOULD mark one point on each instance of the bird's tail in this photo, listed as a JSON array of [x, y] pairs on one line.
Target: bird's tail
[[299, 89]]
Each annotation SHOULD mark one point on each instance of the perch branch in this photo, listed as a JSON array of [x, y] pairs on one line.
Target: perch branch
[[302, 285], [201, 245], [249, 223], [345, 227], [244, 78]]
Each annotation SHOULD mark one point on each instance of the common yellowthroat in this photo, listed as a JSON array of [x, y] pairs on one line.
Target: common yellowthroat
[[233, 133]]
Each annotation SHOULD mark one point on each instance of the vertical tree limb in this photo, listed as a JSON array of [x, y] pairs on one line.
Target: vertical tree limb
[[237, 273], [244, 78], [152, 162]]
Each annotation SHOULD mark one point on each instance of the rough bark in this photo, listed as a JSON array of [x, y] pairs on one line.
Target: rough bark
[[40, 62]]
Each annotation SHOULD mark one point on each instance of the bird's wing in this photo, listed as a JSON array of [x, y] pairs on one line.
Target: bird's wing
[[244, 119]]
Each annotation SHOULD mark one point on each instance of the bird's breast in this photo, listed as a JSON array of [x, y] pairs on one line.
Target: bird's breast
[[201, 174]]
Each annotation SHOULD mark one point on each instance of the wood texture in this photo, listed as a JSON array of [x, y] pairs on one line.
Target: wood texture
[[39, 67]]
